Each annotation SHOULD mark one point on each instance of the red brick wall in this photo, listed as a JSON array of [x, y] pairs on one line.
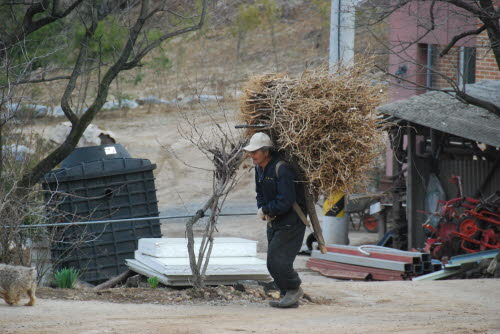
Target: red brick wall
[[486, 66], [404, 27], [446, 65]]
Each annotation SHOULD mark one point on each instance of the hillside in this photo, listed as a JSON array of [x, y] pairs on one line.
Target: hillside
[[214, 61]]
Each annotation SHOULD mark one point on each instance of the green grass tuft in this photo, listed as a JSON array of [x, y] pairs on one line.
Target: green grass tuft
[[153, 282], [66, 278]]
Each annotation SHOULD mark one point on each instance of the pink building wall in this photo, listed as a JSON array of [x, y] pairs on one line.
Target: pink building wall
[[407, 25]]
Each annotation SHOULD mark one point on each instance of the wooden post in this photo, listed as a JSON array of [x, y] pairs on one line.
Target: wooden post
[[411, 213], [382, 222], [311, 210]]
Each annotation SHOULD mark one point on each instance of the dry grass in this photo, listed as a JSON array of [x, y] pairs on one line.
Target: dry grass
[[323, 121]]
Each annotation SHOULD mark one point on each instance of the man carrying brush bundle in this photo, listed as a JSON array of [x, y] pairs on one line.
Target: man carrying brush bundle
[[277, 192]]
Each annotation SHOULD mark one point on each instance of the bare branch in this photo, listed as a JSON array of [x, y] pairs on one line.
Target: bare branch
[[467, 6], [75, 74], [21, 3], [413, 83], [469, 99], [458, 37], [181, 16], [29, 26], [134, 62], [33, 81]]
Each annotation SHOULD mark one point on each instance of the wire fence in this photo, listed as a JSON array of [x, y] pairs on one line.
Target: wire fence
[[112, 221]]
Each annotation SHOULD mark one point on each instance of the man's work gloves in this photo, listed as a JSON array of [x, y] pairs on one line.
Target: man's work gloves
[[263, 216]]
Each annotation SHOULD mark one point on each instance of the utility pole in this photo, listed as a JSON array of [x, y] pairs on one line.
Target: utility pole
[[334, 223], [342, 31]]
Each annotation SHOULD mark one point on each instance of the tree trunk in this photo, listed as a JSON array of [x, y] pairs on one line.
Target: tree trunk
[[1, 150], [197, 278]]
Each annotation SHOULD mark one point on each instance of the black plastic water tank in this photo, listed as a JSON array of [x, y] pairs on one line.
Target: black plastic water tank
[[93, 153], [102, 189]]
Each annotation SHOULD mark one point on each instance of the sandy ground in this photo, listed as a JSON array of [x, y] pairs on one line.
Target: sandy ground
[[358, 307]]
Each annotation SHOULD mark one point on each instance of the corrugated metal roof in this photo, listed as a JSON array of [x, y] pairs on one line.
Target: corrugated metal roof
[[445, 113]]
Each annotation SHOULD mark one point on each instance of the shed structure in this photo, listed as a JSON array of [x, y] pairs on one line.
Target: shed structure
[[438, 134]]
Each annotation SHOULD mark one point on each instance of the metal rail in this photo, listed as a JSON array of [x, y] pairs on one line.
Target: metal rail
[[110, 221]]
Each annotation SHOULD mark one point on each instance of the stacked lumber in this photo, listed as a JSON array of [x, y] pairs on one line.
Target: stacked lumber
[[370, 263], [232, 259]]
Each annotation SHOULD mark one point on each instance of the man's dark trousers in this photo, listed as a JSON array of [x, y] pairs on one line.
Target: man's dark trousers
[[284, 242]]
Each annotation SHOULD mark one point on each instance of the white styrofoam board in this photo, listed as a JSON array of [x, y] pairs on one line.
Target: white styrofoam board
[[173, 278], [177, 247], [146, 271], [216, 266], [186, 280]]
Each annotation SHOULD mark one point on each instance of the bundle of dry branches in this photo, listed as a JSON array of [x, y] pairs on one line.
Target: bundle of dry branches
[[324, 122]]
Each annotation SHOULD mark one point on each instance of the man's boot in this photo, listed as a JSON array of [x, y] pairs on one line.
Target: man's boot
[[292, 297], [276, 303]]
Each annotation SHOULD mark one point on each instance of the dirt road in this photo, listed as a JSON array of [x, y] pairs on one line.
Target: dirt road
[[457, 306]]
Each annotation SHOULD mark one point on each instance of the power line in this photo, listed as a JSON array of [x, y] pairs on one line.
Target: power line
[[111, 221]]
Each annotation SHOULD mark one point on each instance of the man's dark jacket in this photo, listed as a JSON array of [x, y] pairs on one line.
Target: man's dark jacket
[[276, 195]]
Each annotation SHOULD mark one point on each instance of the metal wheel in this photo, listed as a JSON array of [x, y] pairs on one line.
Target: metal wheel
[[370, 223], [470, 227]]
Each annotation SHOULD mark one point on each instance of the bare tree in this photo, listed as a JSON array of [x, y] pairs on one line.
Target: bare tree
[[226, 157], [431, 16], [146, 24], [225, 152]]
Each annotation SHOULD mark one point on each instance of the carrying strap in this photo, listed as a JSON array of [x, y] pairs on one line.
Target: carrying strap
[[298, 210], [295, 205], [301, 214], [277, 167]]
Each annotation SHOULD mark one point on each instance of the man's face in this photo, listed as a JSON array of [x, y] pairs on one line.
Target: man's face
[[258, 157]]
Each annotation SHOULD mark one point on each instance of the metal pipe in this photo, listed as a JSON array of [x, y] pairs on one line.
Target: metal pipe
[[124, 220], [381, 249], [438, 274], [430, 49], [458, 260]]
